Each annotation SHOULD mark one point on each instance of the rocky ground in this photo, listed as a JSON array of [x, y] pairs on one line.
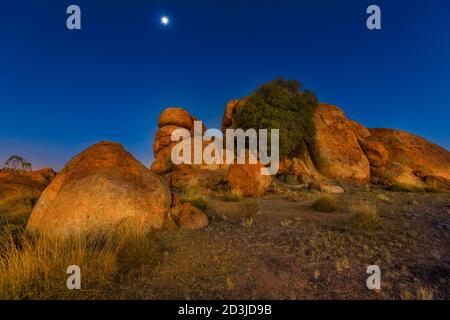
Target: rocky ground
[[274, 247], [291, 251]]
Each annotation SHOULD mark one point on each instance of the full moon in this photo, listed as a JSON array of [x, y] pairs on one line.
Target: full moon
[[165, 20]]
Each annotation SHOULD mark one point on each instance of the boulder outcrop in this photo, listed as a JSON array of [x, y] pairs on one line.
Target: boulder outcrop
[[409, 159], [101, 187], [346, 150]]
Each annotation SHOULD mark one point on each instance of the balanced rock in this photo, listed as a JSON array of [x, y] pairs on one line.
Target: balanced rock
[[170, 119], [101, 187], [183, 175]]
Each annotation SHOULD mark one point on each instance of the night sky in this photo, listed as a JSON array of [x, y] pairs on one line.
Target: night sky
[[61, 90]]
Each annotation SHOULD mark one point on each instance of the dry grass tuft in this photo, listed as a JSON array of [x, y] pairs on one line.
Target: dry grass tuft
[[195, 195], [34, 267], [233, 196], [424, 294], [401, 187], [383, 198], [326, 203]]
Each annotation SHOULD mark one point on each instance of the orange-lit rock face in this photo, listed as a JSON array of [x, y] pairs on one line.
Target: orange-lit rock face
[[227, 120], [175, 117], [412, 159], [376, 153], [336, 152], [192, 217], [186, 176], [102, 186], [169, 120], [247, 179], [16, 182]]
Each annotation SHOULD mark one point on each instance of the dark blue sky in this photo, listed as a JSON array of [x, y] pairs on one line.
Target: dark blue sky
[[62, 90]]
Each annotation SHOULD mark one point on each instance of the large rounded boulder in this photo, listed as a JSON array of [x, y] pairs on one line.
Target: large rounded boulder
[[175, 117], [101, 187]]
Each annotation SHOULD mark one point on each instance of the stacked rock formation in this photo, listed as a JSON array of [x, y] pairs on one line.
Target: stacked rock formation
[[183, 175], [169, 120]]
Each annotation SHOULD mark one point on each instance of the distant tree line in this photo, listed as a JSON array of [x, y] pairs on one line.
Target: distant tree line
[[17, 163]]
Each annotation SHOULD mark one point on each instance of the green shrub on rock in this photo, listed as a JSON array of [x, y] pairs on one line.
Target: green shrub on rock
[[280, 104]]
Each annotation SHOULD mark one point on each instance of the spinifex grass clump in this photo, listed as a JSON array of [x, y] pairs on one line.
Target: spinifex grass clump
[[326, 203], [365, 216], [251, 208]]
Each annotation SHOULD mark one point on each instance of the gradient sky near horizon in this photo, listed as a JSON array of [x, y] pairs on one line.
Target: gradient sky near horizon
[[61, 90]]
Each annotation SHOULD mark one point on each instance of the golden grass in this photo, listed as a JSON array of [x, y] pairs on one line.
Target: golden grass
[[34, 267], [16, 207], [326, 203], [233, 196], [195, 195], [383, 198], [401, 187]]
